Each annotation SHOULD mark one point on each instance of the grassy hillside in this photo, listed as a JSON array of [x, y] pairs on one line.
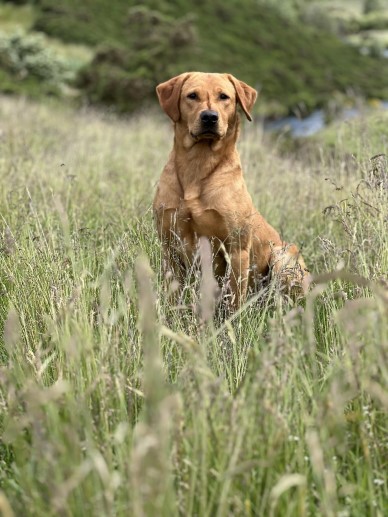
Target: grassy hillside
[[294, 65], [114, 401]]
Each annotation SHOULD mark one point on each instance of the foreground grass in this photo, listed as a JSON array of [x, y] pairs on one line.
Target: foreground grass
[[116, 402]]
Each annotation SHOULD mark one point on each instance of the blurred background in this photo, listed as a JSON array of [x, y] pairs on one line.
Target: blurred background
[[306, 57]]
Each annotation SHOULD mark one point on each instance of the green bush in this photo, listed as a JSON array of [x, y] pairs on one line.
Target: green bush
[[371, 6], [374, 21], [126, 75], [24, 55], [90, 21], [30, 86], [328, 18]]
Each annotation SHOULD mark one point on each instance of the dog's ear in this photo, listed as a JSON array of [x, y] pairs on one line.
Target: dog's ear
[[245, 94], [169, 95]]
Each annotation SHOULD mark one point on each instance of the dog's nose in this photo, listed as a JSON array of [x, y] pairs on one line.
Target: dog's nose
[[209, 117]]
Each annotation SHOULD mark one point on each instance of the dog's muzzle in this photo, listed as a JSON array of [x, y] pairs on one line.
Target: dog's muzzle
[[208, 124]]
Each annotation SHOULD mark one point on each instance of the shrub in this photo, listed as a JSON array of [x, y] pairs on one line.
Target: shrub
[[372, 5], [155, 48], [374, 21], [24, 55], [336, 20]]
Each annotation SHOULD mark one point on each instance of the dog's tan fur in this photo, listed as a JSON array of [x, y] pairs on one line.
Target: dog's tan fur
[[202, 192]]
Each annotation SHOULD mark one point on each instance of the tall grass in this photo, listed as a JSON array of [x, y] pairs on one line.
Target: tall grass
[[116, 401]]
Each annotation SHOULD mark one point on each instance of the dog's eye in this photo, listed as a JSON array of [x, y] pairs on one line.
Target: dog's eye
[[192, 95], [223, 96]]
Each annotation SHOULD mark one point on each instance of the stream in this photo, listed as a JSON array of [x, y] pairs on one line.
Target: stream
[[299, 128]]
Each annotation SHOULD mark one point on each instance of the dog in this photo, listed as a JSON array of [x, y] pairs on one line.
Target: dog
[[202, 192]]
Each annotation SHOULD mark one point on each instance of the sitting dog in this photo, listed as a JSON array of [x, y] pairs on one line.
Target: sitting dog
[[202, 192]]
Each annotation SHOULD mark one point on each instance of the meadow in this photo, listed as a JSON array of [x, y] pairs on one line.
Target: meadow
[[115, 401]]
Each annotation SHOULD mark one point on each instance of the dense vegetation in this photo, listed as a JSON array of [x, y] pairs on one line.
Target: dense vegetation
[[115, 401], [295, 62]]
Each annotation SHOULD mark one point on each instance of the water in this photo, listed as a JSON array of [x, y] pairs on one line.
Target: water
[[299, 128]]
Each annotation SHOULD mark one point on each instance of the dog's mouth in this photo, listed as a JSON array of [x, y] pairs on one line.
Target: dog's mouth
[[206, 134]]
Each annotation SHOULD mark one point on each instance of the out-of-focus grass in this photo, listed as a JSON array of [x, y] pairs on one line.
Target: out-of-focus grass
[[361, 137], [115, 402]]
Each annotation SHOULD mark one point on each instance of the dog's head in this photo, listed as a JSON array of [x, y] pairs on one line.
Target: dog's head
[[205, 104]]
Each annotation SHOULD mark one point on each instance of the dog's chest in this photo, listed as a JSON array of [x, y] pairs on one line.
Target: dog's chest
[[195, 217]]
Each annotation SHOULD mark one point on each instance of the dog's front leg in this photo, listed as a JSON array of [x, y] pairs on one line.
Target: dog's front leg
[[239, 262]]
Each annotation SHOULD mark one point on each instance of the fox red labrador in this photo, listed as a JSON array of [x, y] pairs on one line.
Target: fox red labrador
[[202, 192]]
